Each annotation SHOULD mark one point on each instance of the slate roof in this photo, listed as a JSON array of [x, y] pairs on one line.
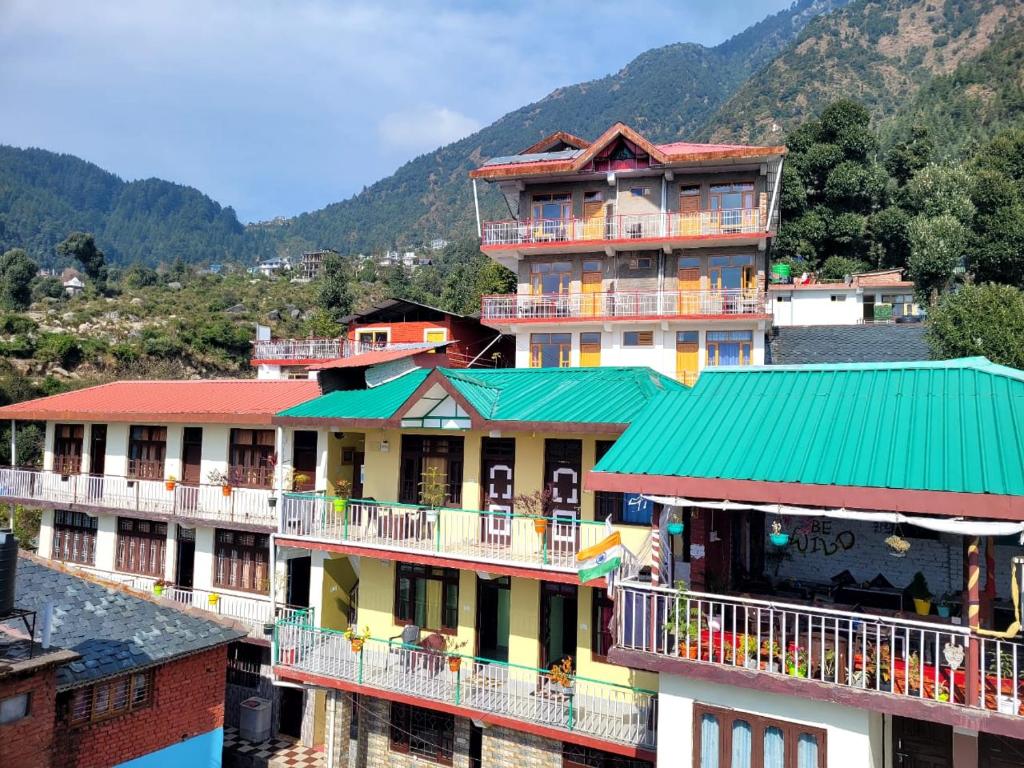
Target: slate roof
[[113, 629], [799, 345], [951, 426]]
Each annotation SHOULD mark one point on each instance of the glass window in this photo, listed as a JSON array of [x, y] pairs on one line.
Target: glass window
[[689, 262], [751, 741], [250, 456], [577, 756], [141, 546], [550, 350], [550, 277], [708, 741], [74, 537], [13, 708], [593, 197], [838, 297], [638, 339], [729, 347], [807, 751], [774, 748], [687, 337], [592, 266], [427, 597], [425, 733], [742, 751], [602, 611], [552, 207], [725, 197], [640, 191], [147, 447], [241, 561]]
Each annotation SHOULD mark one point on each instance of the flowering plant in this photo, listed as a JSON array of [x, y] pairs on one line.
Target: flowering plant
[[561, 672]]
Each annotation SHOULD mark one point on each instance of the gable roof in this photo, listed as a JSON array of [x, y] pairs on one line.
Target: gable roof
[[553, 140], [113, 629], [920, 436], [390, 309], [211, 401], [867, 343], [535, 161], [607, 398]]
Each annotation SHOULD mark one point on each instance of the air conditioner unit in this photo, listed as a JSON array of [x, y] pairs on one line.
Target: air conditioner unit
[[255, 721]]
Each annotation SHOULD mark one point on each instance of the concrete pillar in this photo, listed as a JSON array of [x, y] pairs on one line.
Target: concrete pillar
[[171, 554], [106, 542], [965, 748]]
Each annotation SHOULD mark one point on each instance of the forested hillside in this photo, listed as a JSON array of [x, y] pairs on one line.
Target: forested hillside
[[666, 93], [45, 195]]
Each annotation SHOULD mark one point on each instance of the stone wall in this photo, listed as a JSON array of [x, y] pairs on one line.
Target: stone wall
[[505, 747]]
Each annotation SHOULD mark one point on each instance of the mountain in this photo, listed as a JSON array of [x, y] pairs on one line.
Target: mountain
[[665, 93], [883, 53], [45, 195]]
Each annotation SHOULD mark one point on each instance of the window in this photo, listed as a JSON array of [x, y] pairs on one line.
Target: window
[[729, 347], [14, 708], [141, 546], [111, 698], [640, 191], [602, 610], [593, 197], [421, 453], [550, 277], [689, 262], [731, 197], [373, 337], [638, 338], [783, 299], [147, 447], [837, 297], [732, 273], [74, 537], [550, 350], [67, 448], [641, 263], [435, 335], [556, 206], [724, 738], [251, 455], [427, 597], [424, 733], [590, 349], [576, 756], [244, 663], [241, 561]]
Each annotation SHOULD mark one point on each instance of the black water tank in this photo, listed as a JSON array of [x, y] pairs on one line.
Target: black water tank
[[8, 569]]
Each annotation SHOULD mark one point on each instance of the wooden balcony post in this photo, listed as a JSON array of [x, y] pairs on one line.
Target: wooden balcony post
[[972, 604]]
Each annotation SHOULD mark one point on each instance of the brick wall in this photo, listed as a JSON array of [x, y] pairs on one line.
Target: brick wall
[[188, 700], [27, 743]]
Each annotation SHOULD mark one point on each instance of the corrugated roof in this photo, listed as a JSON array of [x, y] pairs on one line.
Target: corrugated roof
[[798, 345], [113, 629], [556, 395], [224, 401], [949, 426]]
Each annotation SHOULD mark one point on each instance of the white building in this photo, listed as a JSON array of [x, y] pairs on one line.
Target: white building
[[73, 286], [869, 297]]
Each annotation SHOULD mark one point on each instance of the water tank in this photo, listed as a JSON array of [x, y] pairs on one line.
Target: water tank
[[255, 719], [8, 569]]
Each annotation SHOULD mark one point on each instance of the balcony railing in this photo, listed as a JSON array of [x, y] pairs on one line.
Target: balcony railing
[[319, 349], [498, 537], [901, 657], [644, 226], [625, 305], [592, 708], [123, 494]]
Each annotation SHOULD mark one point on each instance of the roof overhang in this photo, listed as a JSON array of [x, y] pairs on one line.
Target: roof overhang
[[973, 505], [145, 417]]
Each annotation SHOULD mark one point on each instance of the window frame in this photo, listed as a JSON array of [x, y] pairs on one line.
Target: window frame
[[402, 732], [563, 346], [250, 463], [68, 447], [580, 756], [26, 710], [71, 532], [108, 687], [758, 725], [147, 451], [130, 538], [373, 333], [600, 633], [414, 572], [246, 566], [639, 335]]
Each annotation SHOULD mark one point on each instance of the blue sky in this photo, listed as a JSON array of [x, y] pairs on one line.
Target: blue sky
[[281, 107]]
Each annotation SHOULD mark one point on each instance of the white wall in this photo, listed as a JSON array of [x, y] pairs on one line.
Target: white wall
[[106, 542], [46, 534], [117, 450], [854, 737], [814, 307]]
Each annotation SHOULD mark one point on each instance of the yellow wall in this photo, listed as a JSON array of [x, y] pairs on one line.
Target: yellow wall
[[339, 580]]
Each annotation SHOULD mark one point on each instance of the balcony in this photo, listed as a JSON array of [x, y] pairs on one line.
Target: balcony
[[220, 504], [298, 349], [500, 539], [924, 661], [626, 232], [590, 708], [621, 305]]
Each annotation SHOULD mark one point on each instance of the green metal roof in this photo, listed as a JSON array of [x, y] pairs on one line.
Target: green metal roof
[[567, 395], [380, 402], [954, 425]]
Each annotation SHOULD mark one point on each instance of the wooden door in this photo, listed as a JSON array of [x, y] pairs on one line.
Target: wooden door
[[688, 285], [687, 353], [97, 449], [358, 459], [689, 211], [563, 469], [191, 455], [498, 457], [186, 557], [558, 621], [304, 456], [593, 220], [590, 349], [921, 744], [592, 283]]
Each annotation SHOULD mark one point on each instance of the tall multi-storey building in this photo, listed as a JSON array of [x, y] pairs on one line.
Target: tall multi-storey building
[[634, 253]]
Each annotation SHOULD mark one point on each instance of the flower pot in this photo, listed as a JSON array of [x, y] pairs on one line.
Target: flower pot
[[779, 539], [158, 589], [357, 645], [272, 501], [340, 505], [751, 663], [944, 610], [431, 515], [454, 662], [922, 607], [213, 598], [674, 529], [225, 490], [1005, 705], [169, 485], [540, 524]]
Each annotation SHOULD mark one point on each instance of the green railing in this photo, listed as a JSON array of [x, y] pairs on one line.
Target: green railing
[[608, 711]]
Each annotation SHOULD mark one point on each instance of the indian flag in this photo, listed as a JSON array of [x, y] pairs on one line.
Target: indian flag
[[600, 559]]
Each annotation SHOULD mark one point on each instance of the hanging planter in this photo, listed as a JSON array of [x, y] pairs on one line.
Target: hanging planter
[[454, 663], [898, 546], [674, 529], [777, 537], [213, 598], [225, 490], [540, 524]]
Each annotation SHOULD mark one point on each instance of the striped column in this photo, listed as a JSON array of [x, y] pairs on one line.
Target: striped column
[[973, 619]]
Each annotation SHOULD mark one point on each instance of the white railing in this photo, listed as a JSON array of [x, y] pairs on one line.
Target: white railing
[[254, 612], [606, 305], [897, 656], [592, 708], [297, 349], [138, 583], [471, 535], [641, 226], [207, 502]]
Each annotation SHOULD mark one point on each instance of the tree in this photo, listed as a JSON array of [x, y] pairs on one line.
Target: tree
[[937, 246], [907, 157], [82, 247], [998, 251], [836, 268], [334, 297], [17, 271], [979, 320]]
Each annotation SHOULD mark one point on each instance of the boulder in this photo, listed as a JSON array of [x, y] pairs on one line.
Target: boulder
[[237, 309], [174, 286]]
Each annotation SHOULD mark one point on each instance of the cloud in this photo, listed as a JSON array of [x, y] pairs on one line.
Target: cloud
[[421, 129]]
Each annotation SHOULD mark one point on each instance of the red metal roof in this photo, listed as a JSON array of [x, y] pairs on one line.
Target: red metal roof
[[214, 401], [376, 357]]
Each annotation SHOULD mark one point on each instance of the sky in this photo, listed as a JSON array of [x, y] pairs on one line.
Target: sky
[[276, 108]]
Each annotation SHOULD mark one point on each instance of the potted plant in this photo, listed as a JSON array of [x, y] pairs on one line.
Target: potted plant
[[170, 482], [777, 537], [299, 479], [898, 546], [537, 505], [357, 639], [159, 586], [750, 652], [920, 594], [342, 491], [796, 662], [945, 605], [216, 477], [451, 649], [770, 651], [1005, 703], [674, 525], [561, 674], [433, 491]]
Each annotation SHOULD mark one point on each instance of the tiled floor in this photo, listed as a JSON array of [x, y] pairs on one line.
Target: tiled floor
[[272, 753]]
